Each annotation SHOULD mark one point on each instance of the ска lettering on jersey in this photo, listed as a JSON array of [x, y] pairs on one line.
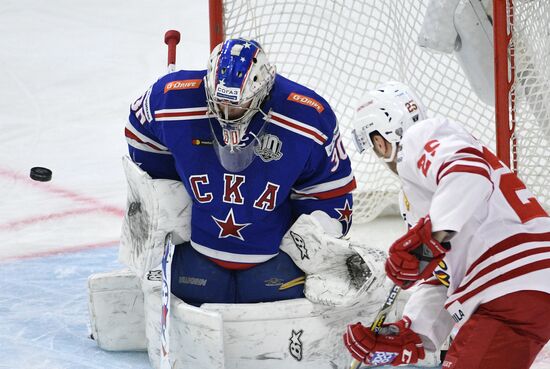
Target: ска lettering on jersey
[[232, 193]]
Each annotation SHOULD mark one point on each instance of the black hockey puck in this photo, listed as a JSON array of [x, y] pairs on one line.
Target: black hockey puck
[[41, 174]]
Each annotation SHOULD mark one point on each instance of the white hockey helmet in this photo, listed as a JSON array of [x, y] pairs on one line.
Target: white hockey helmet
[[389, 110]]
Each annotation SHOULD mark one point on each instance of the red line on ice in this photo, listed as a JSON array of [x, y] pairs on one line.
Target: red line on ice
[[43, 218], [53, 189], [61, 250]]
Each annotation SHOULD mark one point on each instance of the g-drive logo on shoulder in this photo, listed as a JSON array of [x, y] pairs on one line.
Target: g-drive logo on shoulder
[[228, 93]]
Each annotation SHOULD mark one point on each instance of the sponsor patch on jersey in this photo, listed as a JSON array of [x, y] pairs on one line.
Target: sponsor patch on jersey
[[184, 84], [442, 274], [306, 100], [269, 148]]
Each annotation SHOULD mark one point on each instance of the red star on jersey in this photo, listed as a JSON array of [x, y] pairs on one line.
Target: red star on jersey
[[345, 213], [228, 227]]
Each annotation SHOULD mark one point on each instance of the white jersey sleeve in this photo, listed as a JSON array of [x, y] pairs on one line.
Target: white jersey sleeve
[[429, 318], [437, 155]]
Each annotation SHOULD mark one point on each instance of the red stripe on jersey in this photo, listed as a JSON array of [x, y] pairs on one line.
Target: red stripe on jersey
[[129, 134], [232, 265], [491, 158], [180, 114], [300, 128], [503, 262], [432, 282], [525, 269], [466, 169], [332, 193], [508, 243], [446, 165], [471, 151]]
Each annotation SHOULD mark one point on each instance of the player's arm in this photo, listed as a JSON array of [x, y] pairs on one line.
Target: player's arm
[[463, 187], [143, 136], [429, 319], [459, 176], [327, 180]]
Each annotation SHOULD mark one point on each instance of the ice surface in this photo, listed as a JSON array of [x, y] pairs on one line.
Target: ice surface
[[43, 305]]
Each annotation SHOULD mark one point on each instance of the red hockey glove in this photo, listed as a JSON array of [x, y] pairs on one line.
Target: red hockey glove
[[415, 255], [394, 344]]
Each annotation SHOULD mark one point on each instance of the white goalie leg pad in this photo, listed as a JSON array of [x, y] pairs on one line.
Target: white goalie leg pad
[[338, 272], [291, 334], [115, 303], [438, 32], [155, 207], [475, 50], [196, 335]]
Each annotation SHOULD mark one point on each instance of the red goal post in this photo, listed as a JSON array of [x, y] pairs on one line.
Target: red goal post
[[342, 48]]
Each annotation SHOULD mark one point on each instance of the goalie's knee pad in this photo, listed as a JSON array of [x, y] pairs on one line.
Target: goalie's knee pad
[[116, 311], [284, 334]]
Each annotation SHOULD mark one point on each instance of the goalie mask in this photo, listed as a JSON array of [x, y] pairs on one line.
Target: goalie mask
[[238, 80], [389, 110]]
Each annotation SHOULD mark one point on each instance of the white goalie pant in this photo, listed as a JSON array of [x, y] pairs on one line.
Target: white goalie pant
[[272, 335]]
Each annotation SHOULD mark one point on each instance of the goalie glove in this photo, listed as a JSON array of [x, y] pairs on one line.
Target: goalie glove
[[415, 256], [338, 272], [394, 344]]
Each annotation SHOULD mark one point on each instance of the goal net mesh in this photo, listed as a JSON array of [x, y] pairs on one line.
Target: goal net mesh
[[342, 48], [531, 94]]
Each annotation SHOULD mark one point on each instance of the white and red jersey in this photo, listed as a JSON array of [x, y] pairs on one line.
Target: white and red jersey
[[502, 239]]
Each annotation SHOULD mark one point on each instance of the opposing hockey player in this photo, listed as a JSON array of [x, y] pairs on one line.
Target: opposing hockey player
[[254, 151], [478, 252]]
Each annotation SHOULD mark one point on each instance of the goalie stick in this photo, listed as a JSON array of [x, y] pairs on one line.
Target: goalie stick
[[165, 311], [381, 317], [171, 38]]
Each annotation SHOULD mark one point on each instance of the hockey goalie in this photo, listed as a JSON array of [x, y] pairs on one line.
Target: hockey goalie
[[243, 171]]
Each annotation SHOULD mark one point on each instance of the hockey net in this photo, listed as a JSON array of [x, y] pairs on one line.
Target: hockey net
[[342, 48]]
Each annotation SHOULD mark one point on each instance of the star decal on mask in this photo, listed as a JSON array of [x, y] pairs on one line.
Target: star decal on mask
[[247, 45], [345, 213], [243, 59], [228, 227]]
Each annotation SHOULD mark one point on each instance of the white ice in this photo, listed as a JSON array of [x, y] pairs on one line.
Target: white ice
[[68, 72]]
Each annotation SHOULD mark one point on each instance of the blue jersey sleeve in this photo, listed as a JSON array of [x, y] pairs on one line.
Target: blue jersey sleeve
[[327, 180], [144, 140]]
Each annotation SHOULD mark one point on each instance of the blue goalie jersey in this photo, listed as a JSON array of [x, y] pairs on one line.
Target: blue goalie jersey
[[300, 165]]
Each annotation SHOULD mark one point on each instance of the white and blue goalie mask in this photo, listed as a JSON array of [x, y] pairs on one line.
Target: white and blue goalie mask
[[238, 80]]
